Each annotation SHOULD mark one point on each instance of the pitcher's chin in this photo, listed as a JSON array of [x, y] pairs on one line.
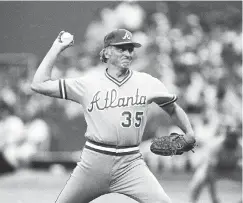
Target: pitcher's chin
[[125, 64]]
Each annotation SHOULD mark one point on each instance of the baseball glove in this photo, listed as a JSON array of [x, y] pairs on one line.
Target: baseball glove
[[173, 144]]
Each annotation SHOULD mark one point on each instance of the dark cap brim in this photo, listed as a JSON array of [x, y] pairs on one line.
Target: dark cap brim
[[135, 44]]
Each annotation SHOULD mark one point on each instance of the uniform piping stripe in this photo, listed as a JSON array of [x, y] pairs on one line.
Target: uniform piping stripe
[[65, 91], [60, 88], [119, 83], [169, 102], [110, 146], [111, 153], [109, 149]]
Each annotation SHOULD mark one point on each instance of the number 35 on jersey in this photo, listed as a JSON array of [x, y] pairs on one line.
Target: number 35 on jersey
[[129, 119]]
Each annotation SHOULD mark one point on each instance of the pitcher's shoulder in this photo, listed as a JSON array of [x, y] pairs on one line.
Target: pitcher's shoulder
[[143, 75], [92, 74]]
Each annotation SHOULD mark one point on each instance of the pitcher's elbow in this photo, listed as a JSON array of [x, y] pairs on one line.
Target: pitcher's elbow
[[34, 87]]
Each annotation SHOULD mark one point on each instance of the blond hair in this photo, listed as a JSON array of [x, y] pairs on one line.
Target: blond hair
[[102, 56]]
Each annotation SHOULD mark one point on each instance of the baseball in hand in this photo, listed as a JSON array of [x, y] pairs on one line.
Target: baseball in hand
[[66, 36]]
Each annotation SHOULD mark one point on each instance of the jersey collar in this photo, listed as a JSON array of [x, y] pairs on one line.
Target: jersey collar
[[119, 83]]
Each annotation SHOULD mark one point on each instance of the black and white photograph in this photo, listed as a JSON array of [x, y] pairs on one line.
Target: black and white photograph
[[121, 101]]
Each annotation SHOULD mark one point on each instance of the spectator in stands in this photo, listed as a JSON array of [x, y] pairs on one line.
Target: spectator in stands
[[222, 160], [19, 142]]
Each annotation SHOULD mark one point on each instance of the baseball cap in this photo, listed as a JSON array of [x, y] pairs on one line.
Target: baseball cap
[[119, 37]]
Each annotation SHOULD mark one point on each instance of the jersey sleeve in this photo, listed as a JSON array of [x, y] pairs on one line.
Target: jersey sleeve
[[72, 89], [159, 94]]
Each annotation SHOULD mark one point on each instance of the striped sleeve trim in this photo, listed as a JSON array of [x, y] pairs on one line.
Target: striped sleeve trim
[[64, 84], [174, 98], [62, 88]]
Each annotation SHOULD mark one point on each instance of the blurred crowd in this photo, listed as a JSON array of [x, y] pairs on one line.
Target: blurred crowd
[[203, 67]]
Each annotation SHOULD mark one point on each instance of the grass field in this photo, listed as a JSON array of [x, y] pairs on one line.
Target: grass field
[[28, 186]]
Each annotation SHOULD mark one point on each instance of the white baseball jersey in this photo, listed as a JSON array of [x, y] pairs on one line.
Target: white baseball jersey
[[115, 111]]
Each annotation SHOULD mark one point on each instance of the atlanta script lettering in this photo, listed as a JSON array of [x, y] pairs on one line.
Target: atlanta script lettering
[[112, 100]]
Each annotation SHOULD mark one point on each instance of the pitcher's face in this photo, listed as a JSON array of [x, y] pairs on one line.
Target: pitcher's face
[[122, 55]]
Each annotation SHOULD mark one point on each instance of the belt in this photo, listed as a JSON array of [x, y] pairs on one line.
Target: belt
[[111, 149]]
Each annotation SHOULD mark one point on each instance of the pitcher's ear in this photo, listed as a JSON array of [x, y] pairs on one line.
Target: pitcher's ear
[[107, 52]]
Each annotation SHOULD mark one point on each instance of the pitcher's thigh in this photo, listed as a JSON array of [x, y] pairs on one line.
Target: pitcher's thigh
[[80, 188], [140, 184]]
